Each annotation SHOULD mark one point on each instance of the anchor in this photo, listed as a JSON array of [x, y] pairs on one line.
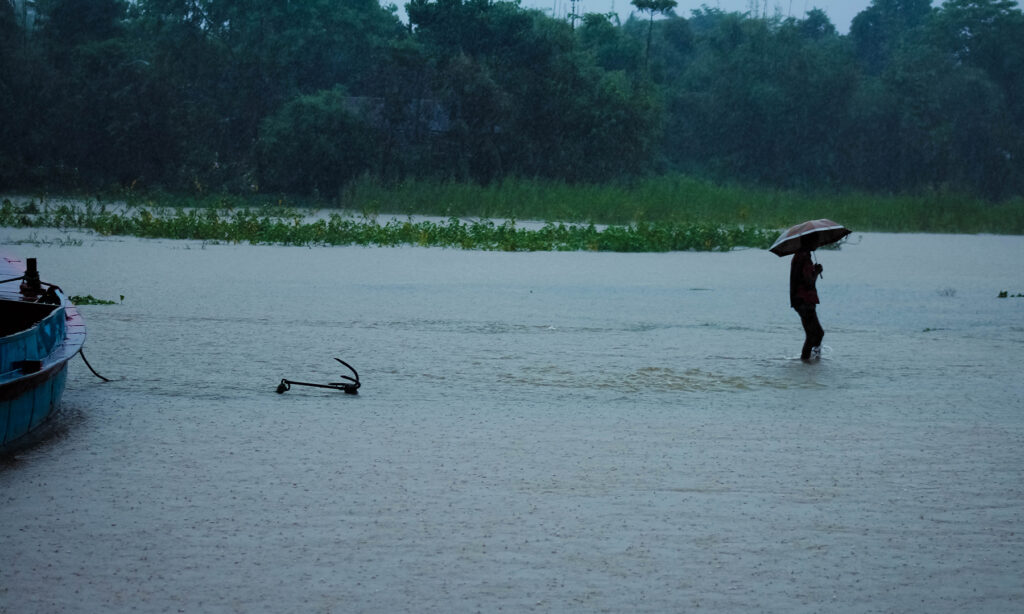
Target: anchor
[[349, 387]]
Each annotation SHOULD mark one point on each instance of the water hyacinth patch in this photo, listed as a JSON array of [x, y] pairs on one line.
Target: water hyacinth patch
[[289, 227], [89, 299]]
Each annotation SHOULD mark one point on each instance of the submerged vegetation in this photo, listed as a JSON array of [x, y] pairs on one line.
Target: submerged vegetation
[[285, 226], [659, 214], [89, 299], [38, 241]]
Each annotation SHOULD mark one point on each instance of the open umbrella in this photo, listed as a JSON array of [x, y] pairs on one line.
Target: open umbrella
[[813, 234]]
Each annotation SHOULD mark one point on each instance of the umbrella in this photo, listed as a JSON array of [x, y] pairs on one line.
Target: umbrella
[[817, 233]]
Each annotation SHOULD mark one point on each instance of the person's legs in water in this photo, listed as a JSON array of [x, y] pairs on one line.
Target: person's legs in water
[[813, 331]]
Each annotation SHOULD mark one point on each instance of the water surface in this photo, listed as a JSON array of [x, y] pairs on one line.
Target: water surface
[[535, 432]]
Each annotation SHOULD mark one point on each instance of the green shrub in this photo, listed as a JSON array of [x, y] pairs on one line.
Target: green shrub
[[314, 144]]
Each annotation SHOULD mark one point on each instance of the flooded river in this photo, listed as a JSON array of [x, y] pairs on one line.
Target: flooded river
[[547, 432]]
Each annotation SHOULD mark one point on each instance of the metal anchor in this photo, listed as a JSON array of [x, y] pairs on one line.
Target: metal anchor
[[349, 387]]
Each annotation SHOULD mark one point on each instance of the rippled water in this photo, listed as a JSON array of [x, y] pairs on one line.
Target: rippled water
[[536, 431]]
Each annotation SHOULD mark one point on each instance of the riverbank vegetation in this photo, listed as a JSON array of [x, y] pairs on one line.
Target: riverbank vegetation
[[662, 214], [679, 199], [284, 226], [347, 104]]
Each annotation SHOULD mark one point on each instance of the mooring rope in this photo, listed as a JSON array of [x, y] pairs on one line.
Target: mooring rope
[[82, 354]]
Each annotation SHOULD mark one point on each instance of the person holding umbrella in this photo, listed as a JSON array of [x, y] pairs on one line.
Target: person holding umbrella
[[803, 297], [801, 240]]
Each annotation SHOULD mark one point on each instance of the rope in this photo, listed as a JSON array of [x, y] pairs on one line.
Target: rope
[[82, 354], [41, 283]]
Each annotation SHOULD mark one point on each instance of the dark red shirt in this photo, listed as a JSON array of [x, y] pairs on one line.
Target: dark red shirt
[[801, 280]]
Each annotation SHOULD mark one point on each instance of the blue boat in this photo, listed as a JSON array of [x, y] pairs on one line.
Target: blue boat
[[40, 331]]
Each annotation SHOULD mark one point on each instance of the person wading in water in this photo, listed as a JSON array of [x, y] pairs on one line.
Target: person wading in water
[[803, 297]]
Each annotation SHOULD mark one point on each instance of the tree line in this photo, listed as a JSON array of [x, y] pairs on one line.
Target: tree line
[[305, 96]]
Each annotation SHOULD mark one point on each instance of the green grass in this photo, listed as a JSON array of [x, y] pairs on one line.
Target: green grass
[[684, 200]]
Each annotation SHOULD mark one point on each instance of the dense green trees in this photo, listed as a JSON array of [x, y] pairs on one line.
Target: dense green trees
[[652, 8], [315, 144], [304, 96]]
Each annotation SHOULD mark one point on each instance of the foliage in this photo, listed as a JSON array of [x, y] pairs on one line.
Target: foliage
[[652, 7], [314, 144], [660, 214], [311, 98], [89, 299], [290, 227], [683, 200]]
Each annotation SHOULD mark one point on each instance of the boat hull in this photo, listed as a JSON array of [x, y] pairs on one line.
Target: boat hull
[[36, 342], [29, 406]]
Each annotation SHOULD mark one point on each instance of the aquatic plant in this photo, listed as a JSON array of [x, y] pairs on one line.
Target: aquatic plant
[[89, 299], [658, 214], [285, 226], [36, 240]]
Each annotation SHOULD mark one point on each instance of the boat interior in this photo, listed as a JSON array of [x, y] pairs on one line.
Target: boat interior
[[16, 316]]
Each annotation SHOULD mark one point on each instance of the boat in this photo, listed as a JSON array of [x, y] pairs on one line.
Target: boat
[[40, 331]]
